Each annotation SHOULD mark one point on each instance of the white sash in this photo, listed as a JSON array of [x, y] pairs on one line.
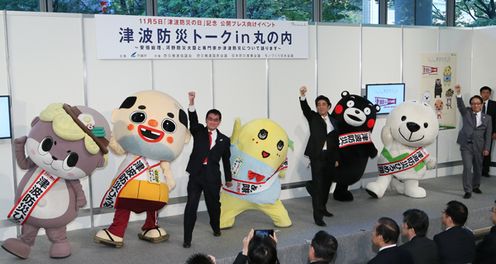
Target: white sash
[[409, 162], [133, 170], [28, 200], [354, 138]]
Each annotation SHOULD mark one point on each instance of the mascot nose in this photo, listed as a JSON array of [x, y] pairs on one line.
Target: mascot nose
[[153, 122], [413, 127], [357, 112]]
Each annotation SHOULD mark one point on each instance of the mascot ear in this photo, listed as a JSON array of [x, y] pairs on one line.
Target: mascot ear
[[236, 130], [35, 120], [377, 108], [344, 93]]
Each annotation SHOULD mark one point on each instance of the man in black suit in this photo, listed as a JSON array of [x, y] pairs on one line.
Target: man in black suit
[[456, 244], [209, 147], [488, 108], [384, 236], [422, 249], [486, 250], [322, 248], [322, 149]]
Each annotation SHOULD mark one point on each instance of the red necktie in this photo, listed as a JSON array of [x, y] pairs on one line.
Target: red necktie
[[205, 161]]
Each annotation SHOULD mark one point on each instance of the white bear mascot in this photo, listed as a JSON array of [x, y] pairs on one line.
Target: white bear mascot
[[403, 160]]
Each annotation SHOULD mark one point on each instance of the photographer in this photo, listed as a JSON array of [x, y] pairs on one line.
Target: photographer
[[259, 248]]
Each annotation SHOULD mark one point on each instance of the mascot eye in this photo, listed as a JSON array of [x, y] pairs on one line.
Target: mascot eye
[[138, 117], [168, 125], [45, 146], [403, 118], [366, 111], [350, 103], [426, 125], [70, 161], [262, 134], [280, 145]]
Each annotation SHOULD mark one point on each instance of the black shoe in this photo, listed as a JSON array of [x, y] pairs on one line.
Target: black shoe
[[467, 195], [217, 233], [320, 222], [477, 190], [186, 244], [486, 175], [327, 213]]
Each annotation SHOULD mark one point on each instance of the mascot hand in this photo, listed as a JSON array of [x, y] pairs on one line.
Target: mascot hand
[[116, 147], [373, 152], [20, 140], [171, 183], [431, 163], [282, 174], [80, 201]]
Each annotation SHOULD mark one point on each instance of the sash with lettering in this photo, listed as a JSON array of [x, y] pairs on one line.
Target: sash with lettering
[[250, 175], [354, 138], [30, 198], [403, 162], [133, 170]]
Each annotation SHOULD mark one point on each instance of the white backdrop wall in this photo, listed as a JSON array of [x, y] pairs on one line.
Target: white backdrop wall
[[52, 58]]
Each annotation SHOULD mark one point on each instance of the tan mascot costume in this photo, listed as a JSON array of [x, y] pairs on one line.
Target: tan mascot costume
[[150, 127]]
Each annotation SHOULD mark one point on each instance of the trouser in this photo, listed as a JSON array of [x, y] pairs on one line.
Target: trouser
[[121, 219], [472, 160], [211, 192], [486, 162], [323, 172]]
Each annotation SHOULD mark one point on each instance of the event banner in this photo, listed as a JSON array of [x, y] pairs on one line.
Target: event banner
[[141, 37], [438, 80]]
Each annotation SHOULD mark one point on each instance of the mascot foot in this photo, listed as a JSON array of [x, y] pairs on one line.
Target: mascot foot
[[60, 250], [398, 186], [154, 235], [343, 196], [17, 248], [413, 190], [105, 237], [378, 188]]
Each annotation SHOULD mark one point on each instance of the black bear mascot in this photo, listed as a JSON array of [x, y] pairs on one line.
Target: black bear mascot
[[356, 118]]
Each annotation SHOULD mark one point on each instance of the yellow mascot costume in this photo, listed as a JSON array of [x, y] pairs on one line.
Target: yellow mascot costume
[[258, 158]]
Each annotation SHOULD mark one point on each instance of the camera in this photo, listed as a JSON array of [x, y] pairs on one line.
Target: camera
[[264, 232]]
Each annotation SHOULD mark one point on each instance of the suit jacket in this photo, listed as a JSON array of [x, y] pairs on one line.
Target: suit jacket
[[241, 259], [319, 135], [479, 136], [201, 150], [423, 250], [393, 255], [486, 250], [456, 245], [491, 110]]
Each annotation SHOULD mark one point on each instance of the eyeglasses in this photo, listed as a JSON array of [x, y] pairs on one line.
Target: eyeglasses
[[475, 103]]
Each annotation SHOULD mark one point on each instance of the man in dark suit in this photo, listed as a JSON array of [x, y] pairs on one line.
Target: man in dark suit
[[486, 250], [422, 249], [488, 108], [474, 139], [384, 236], [323, 248], [322, 149], [210, 146], [456, 245]]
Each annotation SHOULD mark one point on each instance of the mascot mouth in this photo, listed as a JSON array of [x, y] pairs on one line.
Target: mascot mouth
[[355, 118], [265, 154], [409, 138], [149, 134]]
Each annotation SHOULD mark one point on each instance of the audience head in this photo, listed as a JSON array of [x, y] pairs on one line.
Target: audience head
[[415, 223], [200, 258], [322, 104], [485, 92], [455, 214], [493, 213], [262, 250], [386, 232], [212, 119], [323, 247]]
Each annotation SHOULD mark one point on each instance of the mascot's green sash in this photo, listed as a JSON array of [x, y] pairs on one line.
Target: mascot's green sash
[[402, 162], [28, 200]]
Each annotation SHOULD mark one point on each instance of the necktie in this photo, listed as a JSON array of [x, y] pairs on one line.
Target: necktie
[[475, 119], [205, 161], [484, 108]]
